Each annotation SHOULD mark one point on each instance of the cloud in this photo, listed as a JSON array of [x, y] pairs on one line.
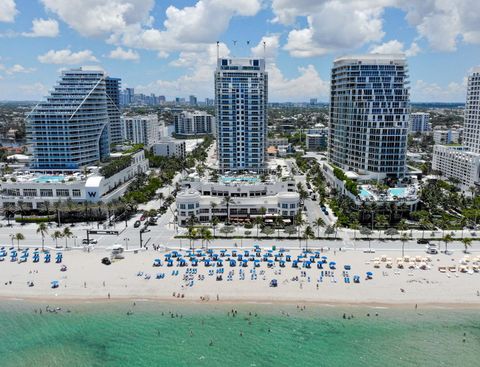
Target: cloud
[[100, 17], [121, 54], [67, 57], [423, 91], [43, 28], [8, 11], [33, 91], [17, 68], [395, 47], [272, 44]]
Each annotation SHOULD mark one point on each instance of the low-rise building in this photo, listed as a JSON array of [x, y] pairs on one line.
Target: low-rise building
[[169, 148], [103, 184], [446, 136], [141, 129], [317, 139], [276, 141], [194, 123], [459, 163], [419, 123]]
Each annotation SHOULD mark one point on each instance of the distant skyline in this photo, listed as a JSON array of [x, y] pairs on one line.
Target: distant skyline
[[169, 47]]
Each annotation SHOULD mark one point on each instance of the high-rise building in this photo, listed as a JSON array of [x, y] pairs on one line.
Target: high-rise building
[[241, 94], [114, 112], [141, 129], [194, 123], [192, 100], [419, 122], [70, 129], [463, 162], [369, 109], [471, 132]]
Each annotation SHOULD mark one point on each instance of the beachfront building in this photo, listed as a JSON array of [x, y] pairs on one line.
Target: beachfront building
[[71, 129], [115, 127], [463, 162], [369, 115], [170, 148], [241, 94], [141, 129], [445, 137], [103, 183], [471, 133], [457, 162], [316, 139], [419, 123], [191, 124], [248, 198]]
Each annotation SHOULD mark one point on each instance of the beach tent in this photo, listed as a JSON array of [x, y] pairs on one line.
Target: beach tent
[[369, 275], [233, 263], [347, 267], [288, 258], [54, 284], [319, 265], [157, 262], [194, 262], [282, 263], [169, 262], [295, 264], [332, 265]]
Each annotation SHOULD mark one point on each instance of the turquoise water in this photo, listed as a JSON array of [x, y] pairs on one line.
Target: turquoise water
[[43, 179], [364, 193], [203, 335], [398, 191], [239, 179]]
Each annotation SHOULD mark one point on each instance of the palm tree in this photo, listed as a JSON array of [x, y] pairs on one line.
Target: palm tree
[[43, 230], [57, 205], [373, 211], [329, 230], [279, 224], [206, 236], [319, 223], [160, 198], [258, 221], [67, 233], [424, 223], [8, 209], [365, 231], [215, 222], [404, 239], [308, 233], [56, 235], [391, 232], [21, 208], [446, 239], [192, 235], [227, 200], [467, 242], [19, 237], [355, 226]]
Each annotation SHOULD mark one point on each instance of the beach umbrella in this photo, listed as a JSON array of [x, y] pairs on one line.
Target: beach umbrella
[[332, 263]]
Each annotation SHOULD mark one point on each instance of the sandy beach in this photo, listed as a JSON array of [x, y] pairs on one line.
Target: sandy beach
[[86, 278]]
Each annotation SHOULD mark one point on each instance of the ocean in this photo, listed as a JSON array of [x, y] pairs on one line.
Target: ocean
[[167, 334]]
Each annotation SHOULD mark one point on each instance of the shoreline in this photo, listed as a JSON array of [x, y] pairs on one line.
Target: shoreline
[[243, 302]]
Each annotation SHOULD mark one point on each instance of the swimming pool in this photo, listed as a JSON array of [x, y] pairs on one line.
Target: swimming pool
[[226, 179], [398, 191], [365, 193], [44, 179]]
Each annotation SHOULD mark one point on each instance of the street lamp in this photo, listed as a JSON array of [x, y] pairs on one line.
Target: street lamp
[[126, 242], [75, 241]]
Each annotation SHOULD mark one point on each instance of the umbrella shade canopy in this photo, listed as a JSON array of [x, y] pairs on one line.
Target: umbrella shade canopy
[[324, 257], [369, 273], [332, 263]]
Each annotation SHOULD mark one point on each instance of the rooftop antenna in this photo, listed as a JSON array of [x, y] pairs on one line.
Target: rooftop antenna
[[218, 50], [264, 50]]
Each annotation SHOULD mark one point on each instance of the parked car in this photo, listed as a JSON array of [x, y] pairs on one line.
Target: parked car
[[423, 241], [432, 249], [137, 224], [92, 241]]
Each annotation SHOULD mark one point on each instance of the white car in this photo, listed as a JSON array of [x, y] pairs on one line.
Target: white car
[[92, 241]]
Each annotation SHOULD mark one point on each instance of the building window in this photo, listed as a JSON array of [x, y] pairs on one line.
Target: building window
[[76, 193], [46, 193], [191, 206], [30, 192], [13, 192], [182, 206], [63, 192]]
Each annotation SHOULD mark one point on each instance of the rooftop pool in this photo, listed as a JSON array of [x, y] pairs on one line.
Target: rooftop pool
[[226, 179], [45, 179], [397, 191]]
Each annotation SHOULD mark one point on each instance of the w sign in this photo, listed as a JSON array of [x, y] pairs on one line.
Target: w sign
[[92, 194]]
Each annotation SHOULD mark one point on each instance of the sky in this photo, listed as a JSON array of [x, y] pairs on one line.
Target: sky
[[169, 47]]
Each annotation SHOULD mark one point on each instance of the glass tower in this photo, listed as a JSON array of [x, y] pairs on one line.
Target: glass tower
[[71, 129], [369, 113], [241, 93]]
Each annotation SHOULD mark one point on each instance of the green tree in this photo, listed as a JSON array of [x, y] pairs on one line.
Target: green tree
[[192, 235], [42, 229], [467, 242], [308, 234], [319, 223], [215, 222], [227, 200], [367, 232], [67, 233], [56, 235], [258, 221], [19, 237], [447, 239], [404, 238]]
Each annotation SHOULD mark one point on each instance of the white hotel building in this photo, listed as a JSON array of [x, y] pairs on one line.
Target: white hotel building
[[463, 163], [279, 198], [141, 129], [419, 123], [195, 123], [34, 189]]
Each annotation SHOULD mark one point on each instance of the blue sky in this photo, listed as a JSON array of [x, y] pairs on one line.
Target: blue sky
[[168, 47]]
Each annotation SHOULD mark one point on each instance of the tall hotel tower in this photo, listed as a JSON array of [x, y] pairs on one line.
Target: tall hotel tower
[[72, 128], [471, 128], [369, 113], [241, 91]]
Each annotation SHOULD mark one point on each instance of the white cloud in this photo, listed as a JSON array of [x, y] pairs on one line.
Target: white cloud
[[395, 47], [33, 91], [43, 28], [67, 57], [17, 68], [101, 17], [332, 25], [121, 54], [272, 44], [8, 10], [432, 92]]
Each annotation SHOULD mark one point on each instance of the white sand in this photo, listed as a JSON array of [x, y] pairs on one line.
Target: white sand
[[121, 281]]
